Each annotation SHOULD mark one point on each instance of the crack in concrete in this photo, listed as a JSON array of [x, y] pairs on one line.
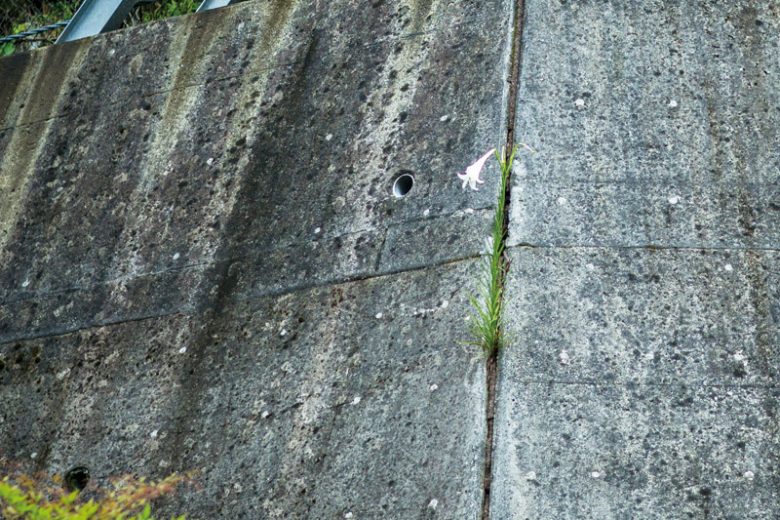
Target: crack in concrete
[[491, 364]]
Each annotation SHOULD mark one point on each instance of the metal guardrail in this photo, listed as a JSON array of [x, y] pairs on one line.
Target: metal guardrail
[[214, 4], [98, 16]]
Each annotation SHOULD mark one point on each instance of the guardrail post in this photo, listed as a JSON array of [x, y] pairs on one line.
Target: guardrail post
[[213, 4], [98, 16]]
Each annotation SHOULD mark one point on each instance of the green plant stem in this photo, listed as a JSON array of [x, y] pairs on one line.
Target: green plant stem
[[486, 305]]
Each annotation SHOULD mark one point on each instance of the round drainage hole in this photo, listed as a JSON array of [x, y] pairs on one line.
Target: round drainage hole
[[77, 478], [403, 185]]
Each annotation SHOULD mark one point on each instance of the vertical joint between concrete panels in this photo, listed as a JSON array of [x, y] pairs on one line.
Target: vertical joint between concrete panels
[[491, 371]]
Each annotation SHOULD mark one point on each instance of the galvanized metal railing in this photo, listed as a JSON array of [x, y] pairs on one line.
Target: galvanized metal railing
[[98, 16]]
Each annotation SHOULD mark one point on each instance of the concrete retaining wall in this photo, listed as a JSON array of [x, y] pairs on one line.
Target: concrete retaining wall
[[203, 266]]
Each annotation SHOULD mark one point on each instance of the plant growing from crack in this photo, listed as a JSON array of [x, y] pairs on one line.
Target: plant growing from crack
[[486, 320]]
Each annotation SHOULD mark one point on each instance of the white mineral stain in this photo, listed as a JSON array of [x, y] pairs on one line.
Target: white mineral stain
[[426, 212], [379, 315], [728, 267], [444, 118], [349, 515], [176, 256], [672, 104], [182, 350], [749, 475], [433, 503], [564, 357], [740, 356], [154, 433], [329, 137], [283, 332], [317, 231], [595, 474], [674, 199], [434, 387], [210, 161], [266, 414], [62, 375], [445, 304], [356, 400], [562, 200], [580, 103], [26, 283], [531, 475]]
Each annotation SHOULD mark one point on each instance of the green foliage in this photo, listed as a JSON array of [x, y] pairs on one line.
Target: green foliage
[[160, 10], [21, 16], [27, 498], [486, 324]]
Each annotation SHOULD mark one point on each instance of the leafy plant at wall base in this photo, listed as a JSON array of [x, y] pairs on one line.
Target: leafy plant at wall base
[[486, 323], [26, 498]]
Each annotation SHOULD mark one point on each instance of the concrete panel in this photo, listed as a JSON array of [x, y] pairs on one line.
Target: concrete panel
[[639, 384], [646, 316], [352, 398], [654, 123], [192, 160], [204, 266], [593, 451], [641, 380]]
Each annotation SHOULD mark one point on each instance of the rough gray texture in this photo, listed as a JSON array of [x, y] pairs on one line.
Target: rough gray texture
[[202, 264], [350, 398], [656, 369], [205, 146], [642, 379], [675, 140]]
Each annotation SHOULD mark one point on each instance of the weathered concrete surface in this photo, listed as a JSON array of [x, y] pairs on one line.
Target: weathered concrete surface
[[655, 369], [642, 380], [206, 145], [655, 123], [202, 264], [354, 398]]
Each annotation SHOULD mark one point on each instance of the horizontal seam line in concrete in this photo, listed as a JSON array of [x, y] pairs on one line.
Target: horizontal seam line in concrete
[[649, 247], [31, 295], [249, 298], [698, 384]]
